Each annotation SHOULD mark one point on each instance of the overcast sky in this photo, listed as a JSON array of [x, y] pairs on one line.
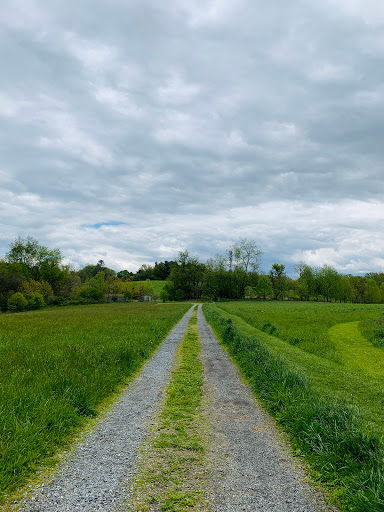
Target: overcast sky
[[133, 129]]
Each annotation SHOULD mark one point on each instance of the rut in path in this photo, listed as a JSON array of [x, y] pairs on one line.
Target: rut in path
[[251, 471]]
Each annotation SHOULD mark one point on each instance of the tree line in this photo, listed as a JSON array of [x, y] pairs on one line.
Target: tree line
[[32, 276]]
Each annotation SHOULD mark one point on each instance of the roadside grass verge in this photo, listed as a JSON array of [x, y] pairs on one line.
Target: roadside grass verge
[[172, 473], [304, 324], [57, 365], [345, 453]]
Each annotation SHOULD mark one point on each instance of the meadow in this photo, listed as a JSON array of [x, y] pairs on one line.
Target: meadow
[[304, 324], [322, 380], [57, 365]]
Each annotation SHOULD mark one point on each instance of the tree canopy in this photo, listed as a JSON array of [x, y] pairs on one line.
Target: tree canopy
[[32, 275]]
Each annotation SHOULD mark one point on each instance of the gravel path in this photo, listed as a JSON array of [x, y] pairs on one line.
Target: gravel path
[[252, 469], [97, 474]]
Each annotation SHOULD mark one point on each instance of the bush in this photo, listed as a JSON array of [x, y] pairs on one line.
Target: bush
[[35, 300], [164, 295], [61, 301], [17, 302], [127, 296]]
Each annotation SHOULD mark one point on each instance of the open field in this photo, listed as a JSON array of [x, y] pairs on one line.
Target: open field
[[326, 345], [58, 364], [332, 406], [304, 324]]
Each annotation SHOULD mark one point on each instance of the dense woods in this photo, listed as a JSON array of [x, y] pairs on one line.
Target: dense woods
[[32, 276]]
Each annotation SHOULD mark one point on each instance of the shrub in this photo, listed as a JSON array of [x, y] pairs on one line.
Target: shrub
[[35, 300], [17, 302], [164, 295], [127, 296]]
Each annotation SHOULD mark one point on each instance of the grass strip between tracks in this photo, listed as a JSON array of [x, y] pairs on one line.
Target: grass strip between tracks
[[172, 472]]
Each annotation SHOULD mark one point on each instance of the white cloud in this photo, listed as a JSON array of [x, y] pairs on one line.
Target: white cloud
[[235, 140], [118, 101], [194, 124], [176, 91], [71, 139], [370, 12], [93, 55], [202, 13], [329, 72]]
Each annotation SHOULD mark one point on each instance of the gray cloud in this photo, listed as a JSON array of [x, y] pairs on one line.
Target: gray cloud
[[194, 124]]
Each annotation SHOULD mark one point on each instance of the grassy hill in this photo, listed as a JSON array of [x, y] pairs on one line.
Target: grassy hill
[[156, 285]]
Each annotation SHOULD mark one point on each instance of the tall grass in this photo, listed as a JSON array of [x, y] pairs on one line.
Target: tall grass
[[373, 330], [344, 452], [57, 365]]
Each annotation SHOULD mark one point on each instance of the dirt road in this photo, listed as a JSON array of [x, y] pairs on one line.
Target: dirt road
[[250, 464]]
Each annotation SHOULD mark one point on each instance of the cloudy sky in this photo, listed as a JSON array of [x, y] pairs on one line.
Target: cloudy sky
[[133, 129]]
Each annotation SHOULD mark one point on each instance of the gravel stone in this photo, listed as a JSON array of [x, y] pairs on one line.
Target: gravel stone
[[96, 475], [251, 463]]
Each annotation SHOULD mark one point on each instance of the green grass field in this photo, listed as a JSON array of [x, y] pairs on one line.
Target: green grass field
[[329, 394], [353, 369], [58, 364], [304, 324]]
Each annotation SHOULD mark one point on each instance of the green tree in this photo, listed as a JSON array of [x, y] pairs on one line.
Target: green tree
[[328, 282], [145, 272], [37, 261], [217, 279], [35, 300], [377, 276], [372, 292], [90, 271], [187, 277], [264, 287], [243, 260], [94, 289], [128, 296], [306, 281], [162, 270], [124, 275], [164, 295], [17, 302], [41, 287], [344, 289], [358, 288], [11, 279], [279, 281]]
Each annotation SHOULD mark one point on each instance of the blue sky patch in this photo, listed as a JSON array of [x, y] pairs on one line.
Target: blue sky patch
[[99, 224]]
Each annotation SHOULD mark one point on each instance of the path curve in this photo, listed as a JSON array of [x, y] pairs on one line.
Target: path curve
[[96, 475], [252, 469]]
